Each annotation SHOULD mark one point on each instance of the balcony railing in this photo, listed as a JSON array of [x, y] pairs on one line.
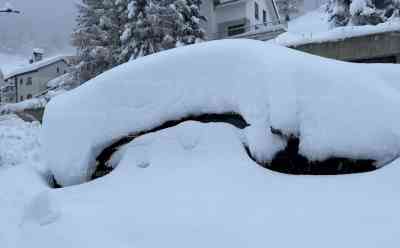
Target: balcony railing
[[248, 31]]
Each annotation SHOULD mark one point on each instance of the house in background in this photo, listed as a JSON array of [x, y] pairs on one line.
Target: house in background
[[254, 19], [31, 80]]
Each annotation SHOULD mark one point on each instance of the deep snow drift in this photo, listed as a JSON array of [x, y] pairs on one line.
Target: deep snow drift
[[19, 142], [193, 185], [21, 173], [337, 109]]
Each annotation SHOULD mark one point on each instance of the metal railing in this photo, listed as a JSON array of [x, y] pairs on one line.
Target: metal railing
[[241, 31]]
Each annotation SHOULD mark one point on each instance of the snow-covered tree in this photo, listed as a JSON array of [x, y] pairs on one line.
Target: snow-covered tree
[[157, 25], [189, 21], [288, 8], [362, 12], [96, 36], [339, 12], [149, 29]]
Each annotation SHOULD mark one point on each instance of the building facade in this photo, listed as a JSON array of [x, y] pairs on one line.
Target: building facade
[[30, 81], [239, 18]]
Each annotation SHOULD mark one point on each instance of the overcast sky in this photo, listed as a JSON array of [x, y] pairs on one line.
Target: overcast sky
[[46, 24]]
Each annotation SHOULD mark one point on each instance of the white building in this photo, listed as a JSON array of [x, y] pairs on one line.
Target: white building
[[258, 19], [31, 80]]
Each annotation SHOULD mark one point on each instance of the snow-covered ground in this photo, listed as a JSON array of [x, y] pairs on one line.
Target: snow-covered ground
[[194, 185], [19, 142], [313, 27], [21, 173]]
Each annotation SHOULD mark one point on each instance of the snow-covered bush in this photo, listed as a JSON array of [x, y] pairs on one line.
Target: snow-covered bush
[[333, 113]]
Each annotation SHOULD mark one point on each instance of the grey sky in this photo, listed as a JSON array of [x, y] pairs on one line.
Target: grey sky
[[44, 23]]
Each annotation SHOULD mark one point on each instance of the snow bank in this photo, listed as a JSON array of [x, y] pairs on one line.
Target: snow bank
[[19, 142], [33, 103], [21, 174], [18, 186], [338, 109], [199, 189]]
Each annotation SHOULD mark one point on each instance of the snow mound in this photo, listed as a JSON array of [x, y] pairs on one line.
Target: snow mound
[[19, 142], [333, 112], [34, 103]]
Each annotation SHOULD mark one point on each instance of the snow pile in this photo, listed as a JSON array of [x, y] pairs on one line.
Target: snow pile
[[19, 142], [193, 185], [33, 103], [269, 86]]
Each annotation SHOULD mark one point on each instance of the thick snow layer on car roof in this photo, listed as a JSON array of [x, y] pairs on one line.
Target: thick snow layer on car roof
[[336, 108]]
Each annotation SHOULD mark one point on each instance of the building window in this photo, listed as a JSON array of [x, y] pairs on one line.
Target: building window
[[21, 81], [29, 96], [58, 69], [21, 98], [264, 16], [236, 29], [256, 11], [29, 82], [65, 71]]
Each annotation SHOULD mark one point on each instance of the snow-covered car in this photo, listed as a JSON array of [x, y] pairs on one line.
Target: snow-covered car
[[182, 133], [333, 109]]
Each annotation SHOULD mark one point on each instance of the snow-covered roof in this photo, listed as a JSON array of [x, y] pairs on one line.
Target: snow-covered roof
[[313, 27], [36, 66]]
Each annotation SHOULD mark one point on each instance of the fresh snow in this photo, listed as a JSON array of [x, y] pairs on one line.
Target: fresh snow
[[35, 66], [314, 27], [193, 185], [33, 103], [22, 174], [19, 142], [336, 112]]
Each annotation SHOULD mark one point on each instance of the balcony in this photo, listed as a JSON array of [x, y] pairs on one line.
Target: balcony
[[263, 31]]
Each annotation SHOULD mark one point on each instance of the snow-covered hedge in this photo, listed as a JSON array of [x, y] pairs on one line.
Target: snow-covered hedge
[[34, 103], [337, 109]]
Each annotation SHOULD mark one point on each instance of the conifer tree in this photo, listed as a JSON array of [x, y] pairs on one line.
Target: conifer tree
[[157, 25], [95, 37]]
